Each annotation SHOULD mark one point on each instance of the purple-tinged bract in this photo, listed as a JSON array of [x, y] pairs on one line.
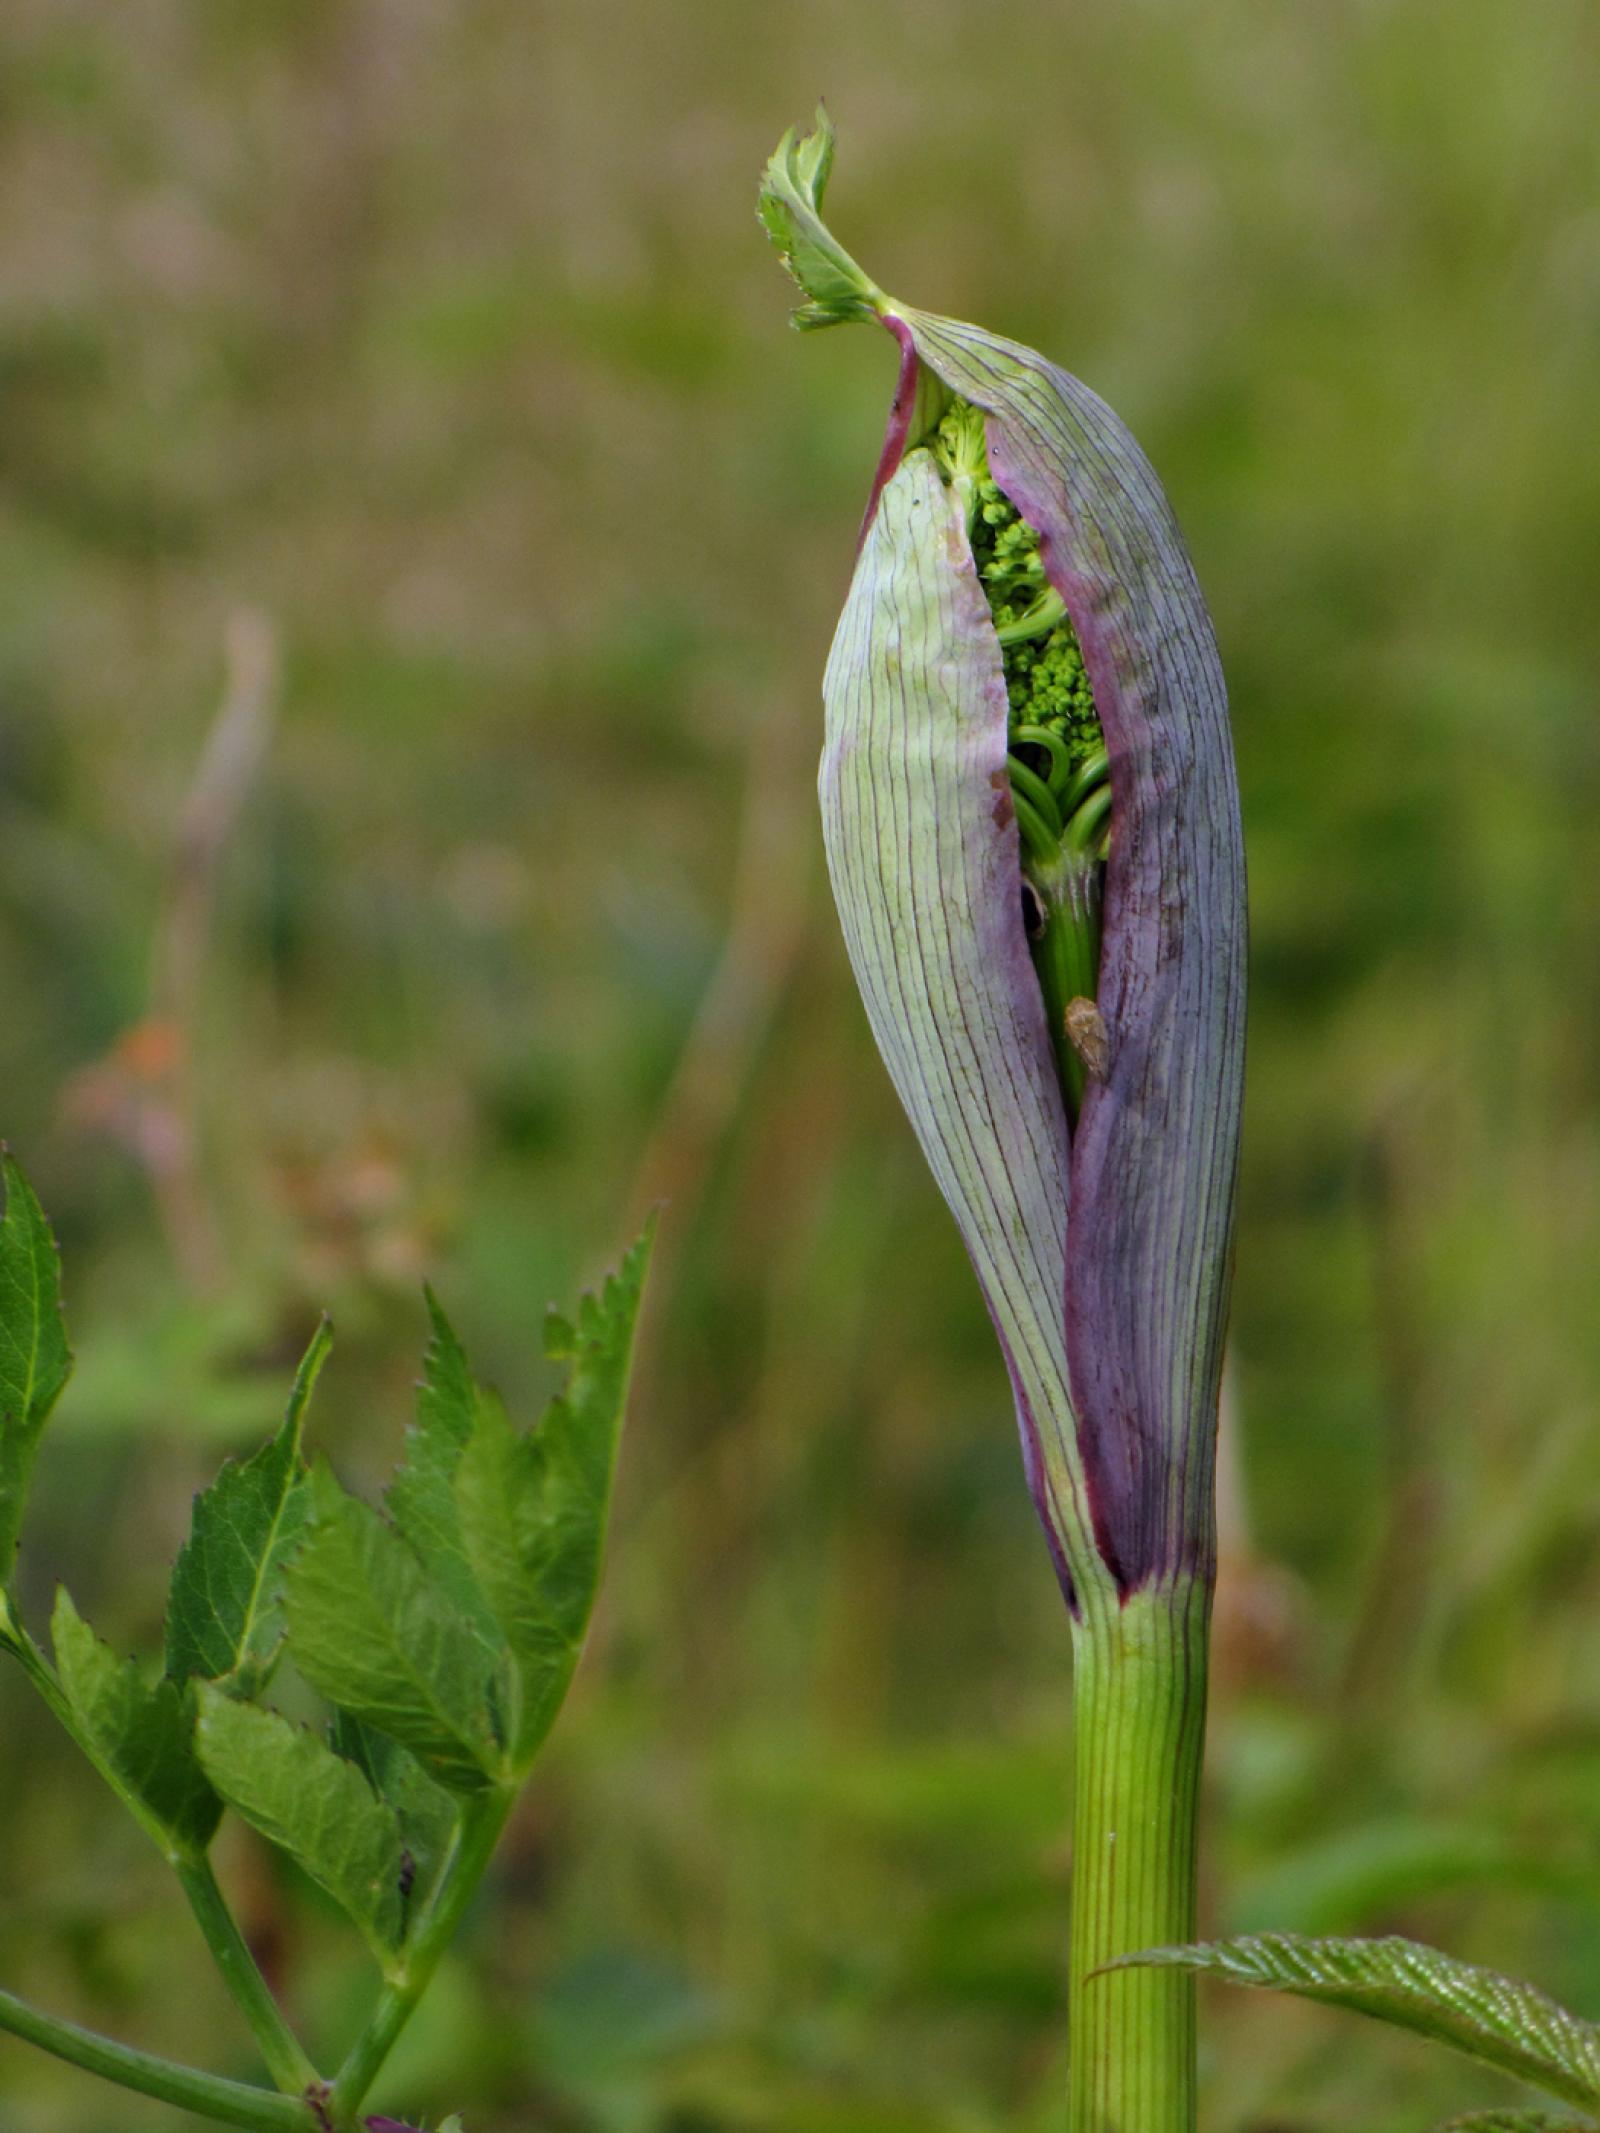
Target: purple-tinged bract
[[1079, 1107]]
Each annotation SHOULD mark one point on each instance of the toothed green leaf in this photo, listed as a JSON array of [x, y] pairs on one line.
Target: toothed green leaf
[[142, 1734], [1499, 2020], [426, 1812], [533, 1507], [790, 207], [223, 1615], [312, 1804], [370, 1630], [560, 1337], [421, 1497], [35, 1360]]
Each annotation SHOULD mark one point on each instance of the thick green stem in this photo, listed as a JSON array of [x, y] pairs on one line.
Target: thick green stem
[[1139, 1728], [482, 1821], [229, 2103]]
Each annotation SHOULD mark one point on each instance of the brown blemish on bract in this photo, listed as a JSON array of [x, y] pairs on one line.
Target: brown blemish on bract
[[1090, 1039]]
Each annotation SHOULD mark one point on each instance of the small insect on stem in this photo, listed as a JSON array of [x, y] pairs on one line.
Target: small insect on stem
[[1089, 1037]]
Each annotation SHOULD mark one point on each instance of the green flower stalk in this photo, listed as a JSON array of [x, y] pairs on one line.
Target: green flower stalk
[[1032, 831]]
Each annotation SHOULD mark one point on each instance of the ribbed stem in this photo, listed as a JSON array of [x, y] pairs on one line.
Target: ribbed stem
[[1139, 1726]]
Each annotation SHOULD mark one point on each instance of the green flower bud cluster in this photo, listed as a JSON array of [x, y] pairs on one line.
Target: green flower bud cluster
[[1055, 749], [1047, 684]]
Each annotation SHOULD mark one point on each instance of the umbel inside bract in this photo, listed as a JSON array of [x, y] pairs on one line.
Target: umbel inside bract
[[1032, 829]]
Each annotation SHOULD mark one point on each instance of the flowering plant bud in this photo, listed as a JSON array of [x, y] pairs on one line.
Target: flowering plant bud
[[1033, 835]]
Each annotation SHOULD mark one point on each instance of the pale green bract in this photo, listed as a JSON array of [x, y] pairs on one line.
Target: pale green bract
[[929, 916], [1499, 2020]]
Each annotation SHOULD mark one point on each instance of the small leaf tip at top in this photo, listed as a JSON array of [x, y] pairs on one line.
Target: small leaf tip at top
[[790, 209]]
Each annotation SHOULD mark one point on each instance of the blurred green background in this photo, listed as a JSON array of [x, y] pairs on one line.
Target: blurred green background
[[419, 542]]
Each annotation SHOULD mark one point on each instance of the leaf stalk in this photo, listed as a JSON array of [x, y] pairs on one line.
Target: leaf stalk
[[483, 1820], [281, 2050], [229, 2103], [285, 2060]]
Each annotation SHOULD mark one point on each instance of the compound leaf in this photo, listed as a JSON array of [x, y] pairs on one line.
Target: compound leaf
[[370, 1630], [35, 1360], [140, 1733], [312, 1804], [222, 1612], [1500, 2020], [533, 1507]]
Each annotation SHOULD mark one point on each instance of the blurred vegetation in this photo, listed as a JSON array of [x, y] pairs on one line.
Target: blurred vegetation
[[395, 401]]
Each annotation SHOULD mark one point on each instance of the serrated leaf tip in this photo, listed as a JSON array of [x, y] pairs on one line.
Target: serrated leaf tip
[[790, 209]]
